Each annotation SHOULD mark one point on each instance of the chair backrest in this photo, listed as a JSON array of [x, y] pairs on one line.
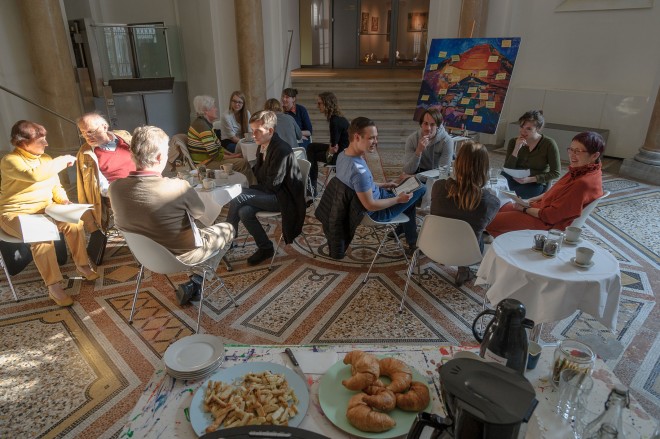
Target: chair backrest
[[153, 255], [300, 153], [449, 241], [579, 221], [179, 150]]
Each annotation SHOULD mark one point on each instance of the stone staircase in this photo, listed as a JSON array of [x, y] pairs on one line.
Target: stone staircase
[[388, 97]]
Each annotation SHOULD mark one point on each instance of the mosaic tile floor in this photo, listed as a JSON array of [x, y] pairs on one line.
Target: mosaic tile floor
[[89, 364]]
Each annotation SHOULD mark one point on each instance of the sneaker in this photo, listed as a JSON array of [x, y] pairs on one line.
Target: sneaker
[[260, 255]]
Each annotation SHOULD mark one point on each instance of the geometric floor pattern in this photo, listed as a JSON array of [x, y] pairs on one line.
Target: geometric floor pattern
[[78, 372]]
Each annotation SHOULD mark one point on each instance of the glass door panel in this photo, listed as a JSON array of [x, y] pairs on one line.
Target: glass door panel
[[412, 33], [375, 32]]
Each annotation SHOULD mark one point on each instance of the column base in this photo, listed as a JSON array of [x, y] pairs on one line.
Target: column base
[[648, 173]]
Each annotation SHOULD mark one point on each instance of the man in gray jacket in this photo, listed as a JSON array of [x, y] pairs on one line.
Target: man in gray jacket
[[430, 146]]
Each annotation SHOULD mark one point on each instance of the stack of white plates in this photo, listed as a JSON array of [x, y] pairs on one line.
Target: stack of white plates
[[194, 357]]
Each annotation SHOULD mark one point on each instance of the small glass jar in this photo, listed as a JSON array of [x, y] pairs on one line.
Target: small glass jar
[[572, 354]]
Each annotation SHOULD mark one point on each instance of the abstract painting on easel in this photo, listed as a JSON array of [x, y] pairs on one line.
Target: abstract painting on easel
[[468, 79]]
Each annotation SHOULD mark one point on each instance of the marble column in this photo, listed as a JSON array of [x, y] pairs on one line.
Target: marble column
[[48, 44], [250, 38], [646, 164], [472, 23]]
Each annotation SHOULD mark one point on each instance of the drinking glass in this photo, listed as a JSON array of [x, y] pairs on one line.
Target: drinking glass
[[493, 174], [574, 389]]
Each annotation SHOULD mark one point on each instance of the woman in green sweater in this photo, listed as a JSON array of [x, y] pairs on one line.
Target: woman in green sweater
[[534, 151]]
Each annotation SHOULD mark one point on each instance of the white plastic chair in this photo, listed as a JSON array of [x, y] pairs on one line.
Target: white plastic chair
[[579, 221], [158, 259], [304, 170], [388, 227], [300, 153], [446, 241]]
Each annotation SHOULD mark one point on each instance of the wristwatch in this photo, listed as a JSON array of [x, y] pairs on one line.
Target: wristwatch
[[525, 209]]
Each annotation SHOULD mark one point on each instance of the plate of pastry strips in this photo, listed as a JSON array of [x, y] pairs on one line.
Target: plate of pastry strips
[[373, 397], [253, 393]]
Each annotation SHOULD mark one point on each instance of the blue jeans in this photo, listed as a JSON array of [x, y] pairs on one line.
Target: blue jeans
[[244, 208], [409, 208], [525, 190]]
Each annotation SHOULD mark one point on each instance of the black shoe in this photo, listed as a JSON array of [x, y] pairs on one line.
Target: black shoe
[[399, 233], [261, 255], [411, 250], [463, 275], [185, 292]]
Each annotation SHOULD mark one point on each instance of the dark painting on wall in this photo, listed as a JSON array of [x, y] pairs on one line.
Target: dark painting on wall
[[467, 78], [364, 24], [374, 24], [418, 21]]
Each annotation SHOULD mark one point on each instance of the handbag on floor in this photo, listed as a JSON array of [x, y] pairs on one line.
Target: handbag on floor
[[96, 247]]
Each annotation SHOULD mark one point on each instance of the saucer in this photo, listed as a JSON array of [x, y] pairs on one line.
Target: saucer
[[590, 264], [566, 241], [540, 250]]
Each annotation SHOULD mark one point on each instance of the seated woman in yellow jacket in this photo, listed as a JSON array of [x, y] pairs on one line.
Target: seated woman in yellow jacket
[[30, 184]]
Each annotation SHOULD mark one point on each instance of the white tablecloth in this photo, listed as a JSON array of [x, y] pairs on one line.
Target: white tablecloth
[[161, 410], [551, 288], [216, 198]]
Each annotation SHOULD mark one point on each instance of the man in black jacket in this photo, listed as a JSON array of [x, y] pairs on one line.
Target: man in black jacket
[[279, 188]]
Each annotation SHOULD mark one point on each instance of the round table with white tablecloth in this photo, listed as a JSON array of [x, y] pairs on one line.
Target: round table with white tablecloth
[[248, 149], [215, 199], [551, 288]]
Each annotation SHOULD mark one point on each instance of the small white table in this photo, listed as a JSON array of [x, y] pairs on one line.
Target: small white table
[[551, 288], [215, 199]]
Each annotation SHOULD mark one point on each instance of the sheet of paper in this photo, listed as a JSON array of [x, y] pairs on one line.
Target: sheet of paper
[[515, 198], [67, 213], [409, 185], [517, 173], [38, 228]]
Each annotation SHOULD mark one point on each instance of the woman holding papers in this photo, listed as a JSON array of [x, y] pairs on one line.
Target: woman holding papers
[[30, 183], [463, 196], [558, 207], [531, 151]]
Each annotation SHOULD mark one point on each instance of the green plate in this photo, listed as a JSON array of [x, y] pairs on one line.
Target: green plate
[[334, 398]]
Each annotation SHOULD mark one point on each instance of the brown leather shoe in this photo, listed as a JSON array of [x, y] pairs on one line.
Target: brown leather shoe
[[57, 294], [88, 273]]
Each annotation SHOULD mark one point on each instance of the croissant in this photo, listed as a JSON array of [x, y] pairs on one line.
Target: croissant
[[398, 372], [364, 418], [380, 398], [364, 368], [416, 399]]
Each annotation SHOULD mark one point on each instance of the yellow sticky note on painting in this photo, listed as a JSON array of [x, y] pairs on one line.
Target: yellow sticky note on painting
[[476, 119], [483, 73], [443, 91], [472, 89], [455, 78], [433, 67], [442, 54], [469, 111], [449, 69], [465, 101], [424, 98], [493, 58], [483, 96], [490, 104], [455, 58], [506, 43], [500, 76]]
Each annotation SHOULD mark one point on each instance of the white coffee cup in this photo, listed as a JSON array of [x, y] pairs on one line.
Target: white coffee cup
[[583, 255], [572, 234], [228, 168], [208, 183], [217, 174]]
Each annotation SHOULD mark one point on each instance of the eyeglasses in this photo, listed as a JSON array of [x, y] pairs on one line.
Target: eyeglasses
[[234, 101], [90, 133], [574, 151]]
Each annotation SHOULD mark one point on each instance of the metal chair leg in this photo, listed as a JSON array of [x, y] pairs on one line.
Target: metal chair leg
[[170, 281], [11, 284], [374, 259], [225, 261], [270, 267], [201, 302], [224, 285], [411, 267], [137, 290]]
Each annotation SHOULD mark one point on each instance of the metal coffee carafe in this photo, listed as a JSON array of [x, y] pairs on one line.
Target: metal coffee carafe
[[505, 339], [482, 400]]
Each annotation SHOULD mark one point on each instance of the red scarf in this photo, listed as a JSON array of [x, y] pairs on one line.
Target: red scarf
[[583, 170]]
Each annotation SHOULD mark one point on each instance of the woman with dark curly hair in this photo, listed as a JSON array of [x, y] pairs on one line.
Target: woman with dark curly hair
[[323, 152]]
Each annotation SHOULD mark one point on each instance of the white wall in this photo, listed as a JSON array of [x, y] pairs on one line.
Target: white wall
[[597, 69]]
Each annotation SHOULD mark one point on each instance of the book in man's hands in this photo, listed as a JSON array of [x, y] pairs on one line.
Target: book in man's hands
[[516, 198], [410, 184]]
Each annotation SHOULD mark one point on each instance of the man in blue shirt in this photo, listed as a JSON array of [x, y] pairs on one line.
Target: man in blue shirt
[[377, 198], [299, 113]]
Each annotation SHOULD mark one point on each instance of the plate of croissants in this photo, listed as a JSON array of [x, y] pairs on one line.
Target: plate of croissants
[[368, 396]]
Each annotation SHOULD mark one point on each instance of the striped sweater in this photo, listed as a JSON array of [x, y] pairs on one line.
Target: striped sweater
[[203, 144]]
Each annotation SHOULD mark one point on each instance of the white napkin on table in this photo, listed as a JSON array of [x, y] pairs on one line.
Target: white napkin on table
[[315, 362]]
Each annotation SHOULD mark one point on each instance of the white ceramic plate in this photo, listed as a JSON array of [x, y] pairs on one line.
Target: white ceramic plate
[[201, 419], [194, 353], [334, 397], [590, 264]]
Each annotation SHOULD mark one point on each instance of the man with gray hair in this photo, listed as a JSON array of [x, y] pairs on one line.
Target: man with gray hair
[[149, 204], [279, 188]]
